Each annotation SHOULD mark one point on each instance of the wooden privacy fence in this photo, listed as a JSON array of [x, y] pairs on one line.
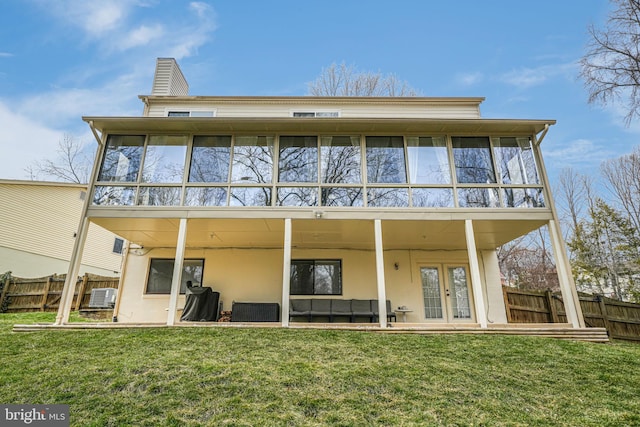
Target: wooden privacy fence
[[43, 293], [622, 319]]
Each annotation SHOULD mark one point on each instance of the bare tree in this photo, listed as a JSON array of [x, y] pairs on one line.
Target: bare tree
[[345, 80], [611, 66], [622, 178], [573, 191], [71, 164]]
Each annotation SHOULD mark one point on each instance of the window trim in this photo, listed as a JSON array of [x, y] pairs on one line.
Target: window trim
[[118, 241]]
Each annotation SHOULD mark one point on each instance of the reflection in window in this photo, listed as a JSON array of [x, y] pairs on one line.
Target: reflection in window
[[472, 157], [340, 159], [432, 197], [206, 196], [210, 159], [252, 159], [122, 158], [431, 292], [297, 196], [523, 197], [114, 196], [428, 160], [164, 159], [298, 159], [385, 160], [316, 277], [341, 196], [387, 197], [250, 196], [478, 198], [161, 275], [515, 160], [159, 196]]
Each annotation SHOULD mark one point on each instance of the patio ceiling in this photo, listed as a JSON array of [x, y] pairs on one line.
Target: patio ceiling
[[311, 233]]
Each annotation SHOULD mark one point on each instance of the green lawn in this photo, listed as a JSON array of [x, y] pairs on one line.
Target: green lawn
[[264, 377]]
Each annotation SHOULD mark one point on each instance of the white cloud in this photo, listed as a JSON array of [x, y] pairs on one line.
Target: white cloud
[[5, 55], [576, 153], [469, 79], [141, 36], [528, 77], [22, 142]]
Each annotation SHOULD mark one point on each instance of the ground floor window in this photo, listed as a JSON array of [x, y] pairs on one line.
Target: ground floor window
[[161, 274], [316, 277]]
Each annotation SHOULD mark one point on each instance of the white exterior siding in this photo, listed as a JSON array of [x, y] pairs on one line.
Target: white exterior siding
[[230, 108], [37, 225], [168, 79]]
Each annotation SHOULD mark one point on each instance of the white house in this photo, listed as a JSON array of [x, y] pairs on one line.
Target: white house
[[38, 224], [278, 199]]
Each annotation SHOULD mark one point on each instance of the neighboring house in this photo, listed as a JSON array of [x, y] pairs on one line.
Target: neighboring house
[[38, 223], [272, 199]]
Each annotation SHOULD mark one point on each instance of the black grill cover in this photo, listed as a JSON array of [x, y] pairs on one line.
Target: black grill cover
[[201, 304]]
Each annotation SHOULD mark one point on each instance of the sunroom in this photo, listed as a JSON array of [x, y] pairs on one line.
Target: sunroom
[[276, 210]]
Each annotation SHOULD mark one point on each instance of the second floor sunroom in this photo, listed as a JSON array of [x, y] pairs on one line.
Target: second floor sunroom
[[305, 168]]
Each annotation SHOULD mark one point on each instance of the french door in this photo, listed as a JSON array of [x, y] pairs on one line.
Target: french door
[[446, 293]]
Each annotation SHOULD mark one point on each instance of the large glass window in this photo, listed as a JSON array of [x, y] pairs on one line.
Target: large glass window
[[114, 196], [210, 159], [428, 160], [385, 160], [432, 197], [316, 277], [297, 196], [384, 197], [472, 157], [161, 275], [341, 196], [159, 196], [250, 196], [206, 196], [516, 164], [298, 159], [340, 159], [252, 159], [478, 198], [164, 159], [122, 157]]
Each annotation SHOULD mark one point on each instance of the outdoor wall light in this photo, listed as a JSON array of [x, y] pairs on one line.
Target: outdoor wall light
[[396, 266]]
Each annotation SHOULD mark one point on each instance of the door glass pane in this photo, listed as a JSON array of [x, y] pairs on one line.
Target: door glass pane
[[210, 159], [385, 160], [340, 159], [298, 161], [431, 293], [164, 159], [472, 157], [460, 308], [252, 159], [428, 160]]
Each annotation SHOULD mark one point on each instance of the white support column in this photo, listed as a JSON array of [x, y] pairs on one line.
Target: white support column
[[177, 272], [382, 293], [286, 273], [66, 299], [476, 284], [567, 286]]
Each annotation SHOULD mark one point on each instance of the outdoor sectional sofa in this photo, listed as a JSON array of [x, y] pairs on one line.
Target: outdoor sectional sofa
[[352, 308]]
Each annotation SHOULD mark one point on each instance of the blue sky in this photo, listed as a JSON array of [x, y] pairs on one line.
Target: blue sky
[[62, 59]]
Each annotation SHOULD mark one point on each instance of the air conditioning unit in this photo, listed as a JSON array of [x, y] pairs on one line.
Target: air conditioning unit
[[103, 298]]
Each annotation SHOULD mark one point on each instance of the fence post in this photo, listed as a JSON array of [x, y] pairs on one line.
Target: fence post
[[553, 310], [605, 316], [45, 294], [83, 287], [7, 282], [507, 305]]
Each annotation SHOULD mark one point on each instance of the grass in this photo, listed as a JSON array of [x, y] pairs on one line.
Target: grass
[[266, 377]]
